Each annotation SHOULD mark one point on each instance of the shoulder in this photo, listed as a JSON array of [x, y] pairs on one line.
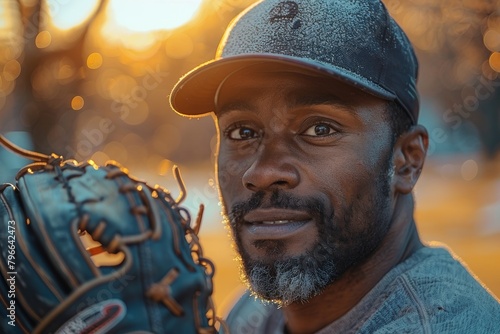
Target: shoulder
[[437, 274], [250, 315], [435, 292]]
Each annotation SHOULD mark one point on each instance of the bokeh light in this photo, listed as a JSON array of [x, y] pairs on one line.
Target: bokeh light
[[94, 60], [77, 102], [43, 39], [495, 61], [11, 70], [491, 40]]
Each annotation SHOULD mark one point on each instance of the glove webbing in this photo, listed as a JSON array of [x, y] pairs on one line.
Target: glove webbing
[[55, 161]]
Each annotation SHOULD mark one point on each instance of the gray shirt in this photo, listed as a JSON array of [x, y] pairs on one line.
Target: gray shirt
[[430, 292]]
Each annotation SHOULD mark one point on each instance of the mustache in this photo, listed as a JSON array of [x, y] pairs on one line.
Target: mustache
[[278, 199]]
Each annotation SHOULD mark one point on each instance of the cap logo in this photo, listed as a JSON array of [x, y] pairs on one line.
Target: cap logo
[[284, 10]]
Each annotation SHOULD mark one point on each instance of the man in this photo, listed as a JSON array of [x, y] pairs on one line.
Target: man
[[319, 149]]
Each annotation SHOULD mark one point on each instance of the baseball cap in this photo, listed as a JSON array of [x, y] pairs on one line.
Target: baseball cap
[[353, 41]]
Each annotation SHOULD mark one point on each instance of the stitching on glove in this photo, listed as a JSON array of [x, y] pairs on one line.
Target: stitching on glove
[[162, 292]]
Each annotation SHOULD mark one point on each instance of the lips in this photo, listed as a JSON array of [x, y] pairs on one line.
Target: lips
[[275, 223]]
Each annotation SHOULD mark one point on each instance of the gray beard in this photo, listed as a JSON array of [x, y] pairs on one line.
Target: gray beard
[[298, 279], [286, 281]]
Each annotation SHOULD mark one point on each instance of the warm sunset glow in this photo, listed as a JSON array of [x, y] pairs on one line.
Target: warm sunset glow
[[69, 14], [152, 15], [137, 25]]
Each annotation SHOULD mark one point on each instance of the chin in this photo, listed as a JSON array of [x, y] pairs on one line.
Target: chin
[[287, 280]]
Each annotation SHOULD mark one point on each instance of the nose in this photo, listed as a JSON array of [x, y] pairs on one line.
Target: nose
[[272, 169]]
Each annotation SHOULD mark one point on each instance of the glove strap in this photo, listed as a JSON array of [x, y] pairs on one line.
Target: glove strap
[[35, 156]]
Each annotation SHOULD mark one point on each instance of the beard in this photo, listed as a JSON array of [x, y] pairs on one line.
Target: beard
[[342, 243]]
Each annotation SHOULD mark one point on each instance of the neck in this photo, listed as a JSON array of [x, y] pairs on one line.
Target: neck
[[337, 299]]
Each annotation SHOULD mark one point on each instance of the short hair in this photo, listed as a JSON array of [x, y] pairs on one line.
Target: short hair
[[399, 121]]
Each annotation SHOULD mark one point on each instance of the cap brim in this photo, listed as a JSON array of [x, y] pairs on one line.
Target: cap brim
[[194, 94]]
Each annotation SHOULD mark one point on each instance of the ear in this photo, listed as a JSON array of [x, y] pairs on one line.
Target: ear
[[410, 151]]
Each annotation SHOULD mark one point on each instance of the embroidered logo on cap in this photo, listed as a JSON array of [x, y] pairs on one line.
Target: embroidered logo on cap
[[284, 10]]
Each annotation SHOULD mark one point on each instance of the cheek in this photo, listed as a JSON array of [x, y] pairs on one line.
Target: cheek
[[229, 175], [342, 173], [233, 161], [348, 183]]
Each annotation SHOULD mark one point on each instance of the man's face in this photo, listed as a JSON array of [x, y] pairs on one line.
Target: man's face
[[304, 169]]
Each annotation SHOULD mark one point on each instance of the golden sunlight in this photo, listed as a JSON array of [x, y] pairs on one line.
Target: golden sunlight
[[152, 15], [66, 15]]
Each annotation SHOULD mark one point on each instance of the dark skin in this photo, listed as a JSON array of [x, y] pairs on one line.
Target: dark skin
[[306, 136]]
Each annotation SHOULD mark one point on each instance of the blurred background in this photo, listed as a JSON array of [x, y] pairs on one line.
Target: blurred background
[[89, 79]]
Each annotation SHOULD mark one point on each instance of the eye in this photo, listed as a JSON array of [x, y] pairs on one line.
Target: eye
[[241, 133], [319, 130]]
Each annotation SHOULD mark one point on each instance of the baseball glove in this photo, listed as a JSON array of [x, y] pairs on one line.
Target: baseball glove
[[160, 281]]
